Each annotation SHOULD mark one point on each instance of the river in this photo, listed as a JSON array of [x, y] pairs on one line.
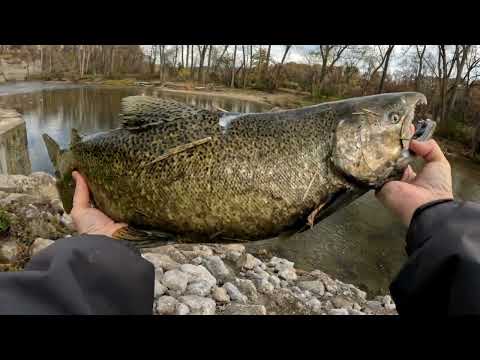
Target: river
[[361, 244]]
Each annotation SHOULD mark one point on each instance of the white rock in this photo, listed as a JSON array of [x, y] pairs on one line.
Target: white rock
[[199, 305], [197, 261], [361, 294], [288, 274], [40, 244], [374, 305], [233, 247], [387, 299], [182, 309], [158, 274], [275, 261], [247, 288], [9, 250], [314, 304], [199, 287], [67, 221], [240, 309], [248, 261], [198, 273], [220, 295], [355, 312], [337, 312], [175, 280], [264, 286], [217, 267], [258, 270], [234, 293], [161, 261], [233, 256], [390, 307], [165, 305], [314, 286], [275, 281], [283, 283], [159, 289]]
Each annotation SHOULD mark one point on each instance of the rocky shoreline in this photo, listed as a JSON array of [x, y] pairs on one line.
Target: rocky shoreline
[[206, 279]]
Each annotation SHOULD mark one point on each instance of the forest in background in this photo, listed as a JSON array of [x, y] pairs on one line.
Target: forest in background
[[447, 74]]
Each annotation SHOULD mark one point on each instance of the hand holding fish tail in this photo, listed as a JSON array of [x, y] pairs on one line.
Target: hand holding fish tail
[[87, 219], [433, 183]]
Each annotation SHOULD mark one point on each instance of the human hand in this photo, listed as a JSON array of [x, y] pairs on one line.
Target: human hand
[[87, 219], [434, 182]]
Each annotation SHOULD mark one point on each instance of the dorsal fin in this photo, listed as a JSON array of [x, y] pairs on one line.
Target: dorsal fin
[[75, 137], [141, 112]]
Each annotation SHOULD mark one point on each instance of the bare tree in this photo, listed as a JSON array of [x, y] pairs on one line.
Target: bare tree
[[280, 66], [232, 84], [202, 50], [386, 61], [329, 55], [220, 58], [418, 77]]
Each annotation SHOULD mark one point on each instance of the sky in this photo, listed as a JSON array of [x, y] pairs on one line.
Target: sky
[[297, 53]]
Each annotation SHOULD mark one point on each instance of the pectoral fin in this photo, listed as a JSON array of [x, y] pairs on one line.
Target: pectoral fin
[[333, 203], [143, 238]]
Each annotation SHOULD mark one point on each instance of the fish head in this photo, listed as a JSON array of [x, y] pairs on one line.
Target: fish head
[[373, 136]]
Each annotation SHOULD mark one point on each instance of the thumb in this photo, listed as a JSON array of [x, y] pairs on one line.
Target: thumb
[[81, 198]]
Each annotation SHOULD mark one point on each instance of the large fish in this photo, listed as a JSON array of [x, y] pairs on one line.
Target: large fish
[[196, 175]]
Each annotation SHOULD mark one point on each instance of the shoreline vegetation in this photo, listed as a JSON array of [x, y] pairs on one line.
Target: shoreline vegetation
[[283, 76]]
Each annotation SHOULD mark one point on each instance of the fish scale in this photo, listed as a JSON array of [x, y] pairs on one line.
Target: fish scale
[[207, 175]]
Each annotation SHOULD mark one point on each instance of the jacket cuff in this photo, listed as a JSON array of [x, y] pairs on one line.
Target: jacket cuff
[[424, 219]]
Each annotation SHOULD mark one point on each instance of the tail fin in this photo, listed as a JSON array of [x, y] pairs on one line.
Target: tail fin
[[53, 149]]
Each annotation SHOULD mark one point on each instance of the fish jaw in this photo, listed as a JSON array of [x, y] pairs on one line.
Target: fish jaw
[[408, 130]]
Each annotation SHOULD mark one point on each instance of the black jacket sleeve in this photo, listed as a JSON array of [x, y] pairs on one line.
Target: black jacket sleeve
[[442, 273], [88, 274]]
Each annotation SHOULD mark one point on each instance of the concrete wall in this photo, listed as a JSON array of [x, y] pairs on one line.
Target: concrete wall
[[14, 158]]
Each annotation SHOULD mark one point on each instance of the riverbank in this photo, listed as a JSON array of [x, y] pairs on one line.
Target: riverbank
[[282, 98], [190, 279]]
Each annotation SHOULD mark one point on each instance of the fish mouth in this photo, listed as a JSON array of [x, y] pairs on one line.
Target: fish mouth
[[422, 129]]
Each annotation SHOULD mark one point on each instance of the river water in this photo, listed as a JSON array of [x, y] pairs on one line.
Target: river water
[[361, 244]]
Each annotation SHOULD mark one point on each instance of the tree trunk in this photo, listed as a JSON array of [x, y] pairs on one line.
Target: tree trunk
[[201, 73], [385, 68], [244, 67], [209, 60], [443, 85], [186, 61], [41, 58], [267, 62], [89, 54], [420, 68], [277, 74], [220, 58], [175, 58], [112, 60], [183, 63], [460, 64], [191, 63], [232, 84]]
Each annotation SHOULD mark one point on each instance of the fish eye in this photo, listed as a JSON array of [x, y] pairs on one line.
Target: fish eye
[[394, 118]]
